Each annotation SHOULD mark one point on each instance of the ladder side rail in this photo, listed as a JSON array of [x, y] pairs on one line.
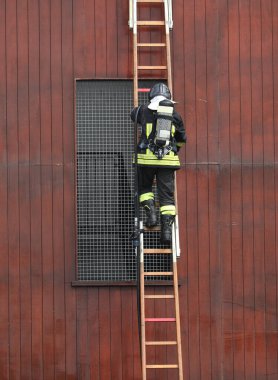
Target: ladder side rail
[[168, 25], [177, 305], [168, 49], [135, 55], [130, 21], [142, 293], [134, 14], [166, 12], [169, 16], [177, 236], [170, 12], [176, 221]]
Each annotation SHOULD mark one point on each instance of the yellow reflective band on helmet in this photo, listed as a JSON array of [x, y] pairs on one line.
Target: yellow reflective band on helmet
[[146, 197], [149, 128], [168, 210], [179, 144]]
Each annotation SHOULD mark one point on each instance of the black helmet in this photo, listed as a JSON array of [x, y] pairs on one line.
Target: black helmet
[[160, 89]]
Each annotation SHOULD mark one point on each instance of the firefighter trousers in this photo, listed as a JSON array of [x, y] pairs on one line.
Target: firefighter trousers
[[165, 186]]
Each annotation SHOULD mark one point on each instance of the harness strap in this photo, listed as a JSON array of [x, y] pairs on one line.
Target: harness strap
[[158, 151]]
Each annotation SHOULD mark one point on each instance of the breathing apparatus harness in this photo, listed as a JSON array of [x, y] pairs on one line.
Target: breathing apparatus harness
[[162, 142]]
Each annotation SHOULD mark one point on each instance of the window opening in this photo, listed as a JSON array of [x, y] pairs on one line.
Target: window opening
[[105, 212]]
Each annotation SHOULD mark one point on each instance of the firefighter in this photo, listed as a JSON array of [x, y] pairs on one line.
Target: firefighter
[[157, 156]]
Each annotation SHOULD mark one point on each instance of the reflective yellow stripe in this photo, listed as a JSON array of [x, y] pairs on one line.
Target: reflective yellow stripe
[[165, 109], [146, 197], [174, 164], [151, 159], [168, 210], [149, 128], [148, 152], [173, 130]]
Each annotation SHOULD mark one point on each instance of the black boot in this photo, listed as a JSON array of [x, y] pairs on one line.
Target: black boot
[[166, 228], [149, 208]]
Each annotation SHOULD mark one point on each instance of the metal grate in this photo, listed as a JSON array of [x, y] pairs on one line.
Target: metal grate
[[104, 144]]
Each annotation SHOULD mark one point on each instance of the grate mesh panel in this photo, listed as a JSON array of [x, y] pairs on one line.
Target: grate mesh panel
[[104, 143]]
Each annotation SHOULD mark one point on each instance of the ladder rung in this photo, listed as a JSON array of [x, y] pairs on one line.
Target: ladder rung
[[158, 273], [157, 250], [160, 319], [151, 44], [152, 229], [144, 89], [161, 343], [150, 23], [152, 67], [162, 366], [149, 1], [159, 296]]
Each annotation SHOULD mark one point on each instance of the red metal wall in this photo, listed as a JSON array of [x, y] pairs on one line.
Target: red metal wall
[[225, 61]]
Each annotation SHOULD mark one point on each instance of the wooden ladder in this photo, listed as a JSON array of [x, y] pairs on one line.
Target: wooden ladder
[[135, 24], [145, 297], [166, 24]]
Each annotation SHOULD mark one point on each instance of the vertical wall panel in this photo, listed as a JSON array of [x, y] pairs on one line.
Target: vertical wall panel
[[225, 246], [259, 267], [267, 77], [112, 39], [223, 80], [245, 81], [275, 120], [4, 282], [248, 268], [270, 272], [124, 41], [237, 336], [46, 189], [36, 270], [193, 301], [13, 192], [47, 270], [178, 64], [56, 82], [135, 340], [35, 189], [24, 191], [215, 259], [34, 81], [116, 371], [212, 80], [94, 333], [201, 82], [59, 274], [84, 38], [234, 81], [190, 78], [82, 343], [275, 76], [104, 334], [101, 27], [128, 337], [256, 81], [45, 82], [4, 257], [204, 271], [68, 229]]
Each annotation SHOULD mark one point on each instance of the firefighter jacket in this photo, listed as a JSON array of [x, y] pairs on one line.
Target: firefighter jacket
[[145, 156]]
